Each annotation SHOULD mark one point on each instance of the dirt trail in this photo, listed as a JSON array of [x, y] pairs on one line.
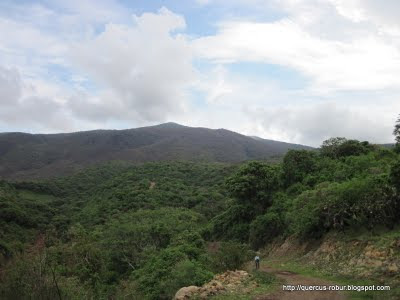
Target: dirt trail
[[290, 278]]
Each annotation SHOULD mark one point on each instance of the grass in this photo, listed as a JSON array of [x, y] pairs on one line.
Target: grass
[[310, 271], [380, 236]]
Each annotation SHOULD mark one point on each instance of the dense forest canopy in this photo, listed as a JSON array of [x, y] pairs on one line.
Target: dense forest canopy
[[118, 231]]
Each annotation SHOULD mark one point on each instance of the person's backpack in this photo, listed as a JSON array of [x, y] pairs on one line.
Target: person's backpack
[[257, 258]]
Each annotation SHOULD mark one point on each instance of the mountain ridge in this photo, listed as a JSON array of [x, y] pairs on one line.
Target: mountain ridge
[[27, 156]]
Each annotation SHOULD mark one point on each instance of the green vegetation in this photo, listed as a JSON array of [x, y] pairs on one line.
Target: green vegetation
[[142, 232], [113, 230], [265, 283], [301, 268], [27, 156], [312, 193]]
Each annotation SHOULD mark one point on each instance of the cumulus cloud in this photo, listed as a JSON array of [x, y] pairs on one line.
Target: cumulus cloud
[[27, 105], [138, 71], [313, 123], [144, 69], [18, 110], [76, 66], [379, 12], [10, 86], [364, 63]]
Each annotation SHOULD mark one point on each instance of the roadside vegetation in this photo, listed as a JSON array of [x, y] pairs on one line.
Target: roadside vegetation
[[142, 232]]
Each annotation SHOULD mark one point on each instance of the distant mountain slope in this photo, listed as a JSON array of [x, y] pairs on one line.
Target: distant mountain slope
[[25, 155], [282, 146]]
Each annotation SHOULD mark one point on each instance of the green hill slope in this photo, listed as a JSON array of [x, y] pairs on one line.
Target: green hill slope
[[25, 155]]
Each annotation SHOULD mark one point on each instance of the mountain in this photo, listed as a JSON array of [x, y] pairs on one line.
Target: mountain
[[24, 155], [282, 146], [388, 146]]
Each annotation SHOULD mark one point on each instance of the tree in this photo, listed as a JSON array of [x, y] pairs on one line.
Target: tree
[[395, 175], [396, 131], [341, 147], [329, 147], [265, 228], [254, 184], [296, 165]]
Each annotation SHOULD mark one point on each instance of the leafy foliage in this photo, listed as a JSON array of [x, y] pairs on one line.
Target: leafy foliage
[[113, 229], [231, 256], [341, 147], [348, 184], [141, 232], [254, 184], [296, 165], [265, 228], [358, 202], [396, 130]]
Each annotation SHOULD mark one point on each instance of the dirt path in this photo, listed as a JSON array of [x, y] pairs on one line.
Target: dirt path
[[294, 279]]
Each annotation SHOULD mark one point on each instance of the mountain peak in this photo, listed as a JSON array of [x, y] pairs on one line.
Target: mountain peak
[[170, 125], [61, 154]]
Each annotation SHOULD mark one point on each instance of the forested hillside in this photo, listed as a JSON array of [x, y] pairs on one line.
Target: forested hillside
[[142, 232], [110, 230], [27, 156]]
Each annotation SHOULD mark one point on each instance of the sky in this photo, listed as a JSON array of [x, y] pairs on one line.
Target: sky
[[299, 71]]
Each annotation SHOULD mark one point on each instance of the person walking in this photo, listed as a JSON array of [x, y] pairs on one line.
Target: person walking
[[257, 261]]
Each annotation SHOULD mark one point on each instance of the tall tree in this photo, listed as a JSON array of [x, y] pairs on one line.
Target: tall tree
[[396, 131], [329, 147], [254, 184], [297, 164]]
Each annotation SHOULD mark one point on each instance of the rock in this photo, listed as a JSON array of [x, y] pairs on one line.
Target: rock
[[376, 263], [230, 281], [242, 273], [393, 268], [186, 292]]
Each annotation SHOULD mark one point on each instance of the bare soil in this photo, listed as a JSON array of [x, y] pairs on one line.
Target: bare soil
[[291, 278]]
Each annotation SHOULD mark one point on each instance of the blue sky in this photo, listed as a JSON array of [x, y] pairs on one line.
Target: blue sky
[[293, 70]]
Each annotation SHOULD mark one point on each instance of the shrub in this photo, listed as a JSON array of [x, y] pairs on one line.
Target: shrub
[[296, 165], [233, 223], [254, 184], [230, 256], [166, 272], [395, 175], [265, 228], [359, 202]]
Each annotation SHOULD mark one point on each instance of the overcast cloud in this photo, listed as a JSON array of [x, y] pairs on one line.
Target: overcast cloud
[[299, 71]]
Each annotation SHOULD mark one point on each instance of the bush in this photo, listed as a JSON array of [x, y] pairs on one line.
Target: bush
[[233, 224], [395, 176], [30, 278], [230, 256], [341, 147], [296, 165], [265, 228], [254, 184], [186, 273], [359, 202], [263, 277], [166, 272]]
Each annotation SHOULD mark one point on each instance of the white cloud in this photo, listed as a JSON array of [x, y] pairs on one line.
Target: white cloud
[[380, 12], [144, 68], [312, 123], [10, 86], [30, 105], [113, 69], [367, 62], [137, 72]]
